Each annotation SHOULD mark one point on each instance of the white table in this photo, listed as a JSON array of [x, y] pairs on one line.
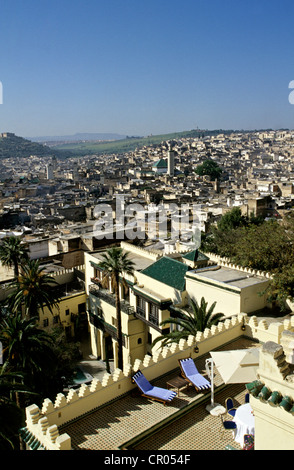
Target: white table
[[244, 420]]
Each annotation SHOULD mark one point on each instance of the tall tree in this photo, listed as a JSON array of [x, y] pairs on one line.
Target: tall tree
[[115, 264], [34, 289], [27, 350], [223, 238], [12, 253], [232, 219], [209, 168], [11, 416], [267, 247], [199, 317]]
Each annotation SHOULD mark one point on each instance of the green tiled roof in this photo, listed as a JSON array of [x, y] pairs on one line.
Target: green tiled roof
[[190, 256], [162, 163], [273, 397], [30, 439], [168, 271]]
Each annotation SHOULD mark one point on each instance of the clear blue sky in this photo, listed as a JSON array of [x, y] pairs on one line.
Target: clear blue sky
[[138, 67]]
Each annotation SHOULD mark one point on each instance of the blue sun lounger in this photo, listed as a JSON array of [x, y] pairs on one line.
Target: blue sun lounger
[[190, 373], [149, 391]]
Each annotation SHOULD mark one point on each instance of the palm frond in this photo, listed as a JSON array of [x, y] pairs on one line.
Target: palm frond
[[190, 322]]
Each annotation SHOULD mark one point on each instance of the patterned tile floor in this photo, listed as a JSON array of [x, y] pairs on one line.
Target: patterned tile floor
[[112, 426], [198, 430]]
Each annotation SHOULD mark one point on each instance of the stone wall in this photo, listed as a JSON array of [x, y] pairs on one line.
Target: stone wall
[[90, 397], [265, 331], [272, 396]]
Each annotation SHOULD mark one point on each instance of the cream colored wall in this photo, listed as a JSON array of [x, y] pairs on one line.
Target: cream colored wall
[[247, 299], [131, 327], [48, 435], [94, 341], [71, 302], [137, 344], [261, 330], [274, 427], [227, 302], [89, 270], [251, 298]]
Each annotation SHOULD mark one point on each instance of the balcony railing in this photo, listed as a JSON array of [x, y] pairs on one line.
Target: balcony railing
[[141, 311], [103, 294], [154, 319]]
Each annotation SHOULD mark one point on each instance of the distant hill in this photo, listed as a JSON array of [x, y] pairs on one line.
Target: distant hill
[[79, 137], [129, 144], [16, 147], [132, 143], [13, 146]]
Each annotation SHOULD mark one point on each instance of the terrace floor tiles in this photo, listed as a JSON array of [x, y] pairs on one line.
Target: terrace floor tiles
[[113, 426]]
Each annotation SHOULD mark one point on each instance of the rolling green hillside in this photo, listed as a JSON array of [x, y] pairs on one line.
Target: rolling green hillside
[[13, 146], [129, 144], [17, 147]]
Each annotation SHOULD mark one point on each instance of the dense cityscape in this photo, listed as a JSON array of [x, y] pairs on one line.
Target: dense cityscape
[[54, 209], [52, 197], [146, 229]]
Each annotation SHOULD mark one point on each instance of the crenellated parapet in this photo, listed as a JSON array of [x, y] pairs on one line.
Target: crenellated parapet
[[151, 254], [40, 435], [226, 262], [272, 397], [272, 361], [78, 402], [264, 331], [63, 271], [287, 341]]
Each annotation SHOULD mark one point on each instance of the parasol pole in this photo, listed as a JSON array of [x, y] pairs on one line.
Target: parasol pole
[[214, 408]]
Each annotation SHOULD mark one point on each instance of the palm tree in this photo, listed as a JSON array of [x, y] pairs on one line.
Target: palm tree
[[13, 253], [33, 289], [115, 263], [205, 316], [11, 416], [197, 319], [27, 350]]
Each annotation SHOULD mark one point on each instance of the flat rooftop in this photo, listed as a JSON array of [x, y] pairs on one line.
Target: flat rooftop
[[140, 262], [228, 276]]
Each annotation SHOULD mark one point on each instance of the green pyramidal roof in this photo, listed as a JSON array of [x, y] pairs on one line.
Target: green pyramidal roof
[[162, 163], [168, 271], [191, 255]]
